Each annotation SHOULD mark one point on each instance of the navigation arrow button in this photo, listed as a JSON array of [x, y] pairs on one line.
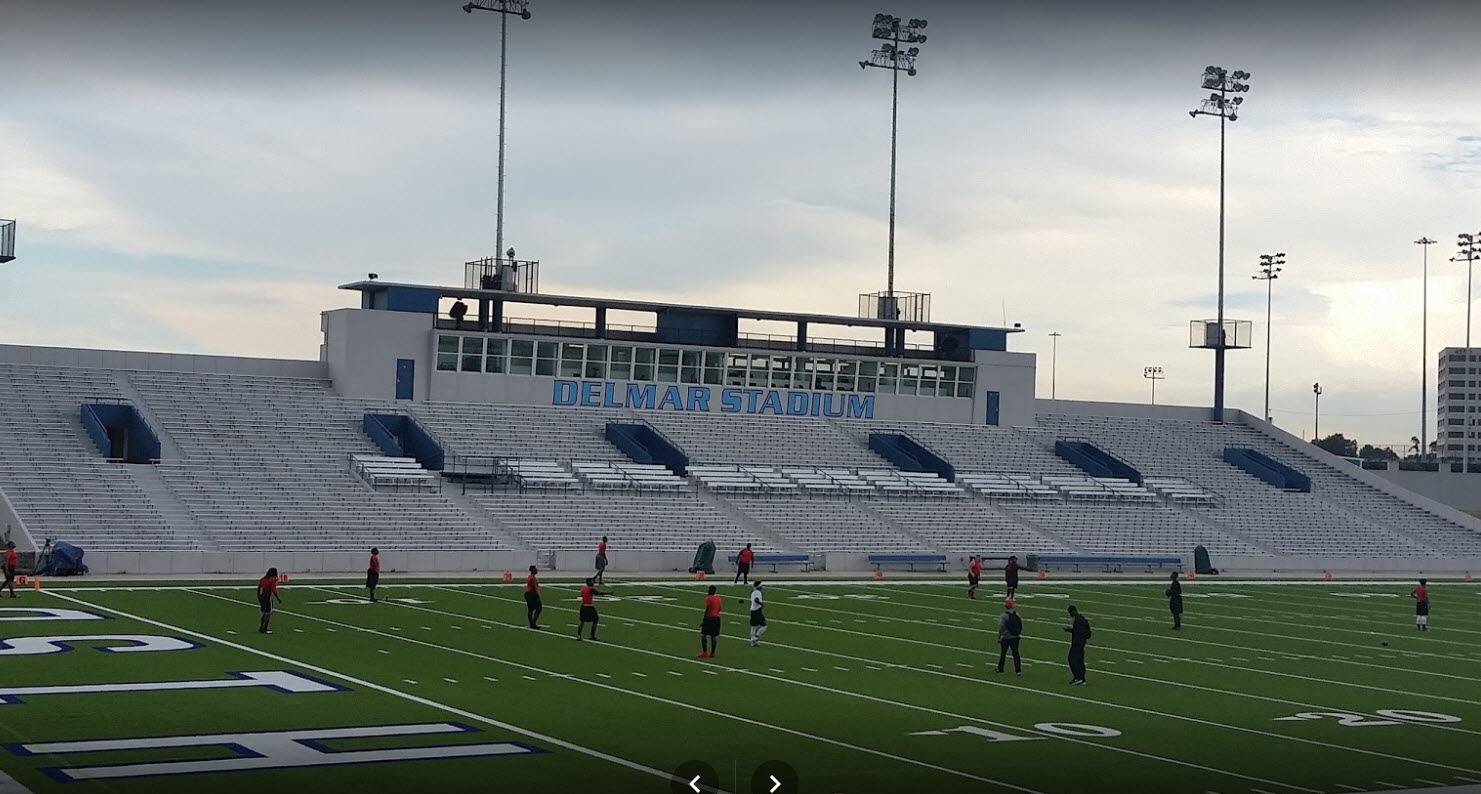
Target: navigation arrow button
[[774, 777]]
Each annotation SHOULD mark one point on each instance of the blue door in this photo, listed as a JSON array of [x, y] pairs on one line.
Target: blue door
[[992, 407], [406, 372]]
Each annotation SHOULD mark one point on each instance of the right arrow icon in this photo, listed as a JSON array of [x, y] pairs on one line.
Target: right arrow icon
[[775, 784]]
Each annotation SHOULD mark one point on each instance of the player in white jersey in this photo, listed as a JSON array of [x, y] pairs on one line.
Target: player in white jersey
[[758, 617]]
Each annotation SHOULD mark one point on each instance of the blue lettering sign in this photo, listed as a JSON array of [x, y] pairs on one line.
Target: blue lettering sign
[[697, 399]]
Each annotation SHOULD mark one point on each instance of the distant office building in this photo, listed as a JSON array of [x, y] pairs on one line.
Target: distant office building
[[1459, 389]]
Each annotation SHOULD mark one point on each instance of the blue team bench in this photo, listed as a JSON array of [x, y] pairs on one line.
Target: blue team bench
[[912, 560], [805, 560], [1109, 563]]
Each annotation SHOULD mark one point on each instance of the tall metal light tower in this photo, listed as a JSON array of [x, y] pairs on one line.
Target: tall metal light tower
[[1153, 374], [1054, 365], [890, 56], [1468, 251], [505, 9], [1270, 267], [1222, 83], [1424, 353], [1316, 429]]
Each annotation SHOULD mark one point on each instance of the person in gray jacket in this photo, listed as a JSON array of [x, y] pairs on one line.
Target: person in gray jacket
[[1010, 631]]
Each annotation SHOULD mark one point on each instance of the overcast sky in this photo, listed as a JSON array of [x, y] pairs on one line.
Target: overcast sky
[[199, 176]]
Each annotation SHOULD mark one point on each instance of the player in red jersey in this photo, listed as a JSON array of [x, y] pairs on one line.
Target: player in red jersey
[[533, 606], [743, 564], [12, 562], [267, 590], [709, 628], [1421, 596], [974, 576], [588, 608], [373, 574], [601, 560]]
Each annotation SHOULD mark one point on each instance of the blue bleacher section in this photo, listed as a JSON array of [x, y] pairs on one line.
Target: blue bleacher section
[[1095, 461], [401, 436], [804, 560], [937, 561], [1268, 469], [910, 455], [645, 444]]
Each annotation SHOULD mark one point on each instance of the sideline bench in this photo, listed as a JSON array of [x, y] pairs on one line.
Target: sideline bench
[[912, 560], [805, 560], [1111, 564]]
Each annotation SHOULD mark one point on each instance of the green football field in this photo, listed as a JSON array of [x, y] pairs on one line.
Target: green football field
[[873, 686]]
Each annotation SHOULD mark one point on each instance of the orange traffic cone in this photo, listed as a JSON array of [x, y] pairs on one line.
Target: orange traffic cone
[[1468, 577], [1043, 575], [878, 574], [36, 583], [1327, 575], [1192, 575], [508, 577], [700, 575]]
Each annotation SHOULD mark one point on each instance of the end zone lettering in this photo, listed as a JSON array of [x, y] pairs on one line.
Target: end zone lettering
[[700, 399]]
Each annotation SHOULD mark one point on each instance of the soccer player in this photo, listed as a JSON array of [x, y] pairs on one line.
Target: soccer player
[[1079, 632], [974, 576], [709, 628], [267, 590], [1010, 576], [373, 573], [588, 607], [533, 606], [1010, 631], [1421, 595], [1175, 601], [758, 617], [12, 561], [601, 560], [743, 564]]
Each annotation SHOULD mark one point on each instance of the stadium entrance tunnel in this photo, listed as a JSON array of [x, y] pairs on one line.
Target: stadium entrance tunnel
[[1095, 461], [645, 444], [1267, 468], [402, 436], [907, 454], [120, 433]]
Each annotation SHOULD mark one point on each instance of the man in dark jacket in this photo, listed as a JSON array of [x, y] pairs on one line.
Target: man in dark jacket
[[1079, 632], [1175, 601], [1010, 631]]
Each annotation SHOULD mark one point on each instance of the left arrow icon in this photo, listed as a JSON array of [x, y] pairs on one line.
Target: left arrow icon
[[694, 784], [694, 777]]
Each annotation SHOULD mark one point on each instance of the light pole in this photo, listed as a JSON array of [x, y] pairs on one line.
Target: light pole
[[1270, 267], [1469, 250], [889, 56], [504, 8], [1316, 430], [1054, 365], [1424, 352], [1153, 374], [1222, 83]]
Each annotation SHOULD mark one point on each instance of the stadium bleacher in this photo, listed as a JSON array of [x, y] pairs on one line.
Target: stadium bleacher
[[258, 462]]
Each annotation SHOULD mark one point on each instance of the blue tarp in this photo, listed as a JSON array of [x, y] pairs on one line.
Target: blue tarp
[[66, 560]]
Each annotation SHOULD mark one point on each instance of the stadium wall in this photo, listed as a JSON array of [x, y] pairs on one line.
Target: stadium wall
[[305, 562], [160, 362], [1452, 488]]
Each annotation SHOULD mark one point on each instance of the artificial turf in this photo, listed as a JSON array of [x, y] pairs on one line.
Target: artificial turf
[[879, 686]]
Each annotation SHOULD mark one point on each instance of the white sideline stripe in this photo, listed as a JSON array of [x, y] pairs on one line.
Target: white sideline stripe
[[1051, 581], [382, 689], [910, 706], [1109, 704], [643, 695], [9, 785]]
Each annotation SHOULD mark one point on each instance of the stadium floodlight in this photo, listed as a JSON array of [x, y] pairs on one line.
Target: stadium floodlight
[[1054, 365], [1270, 267], [1424, 352], [1223, 85], [505, 9], [1316, 427], [889, 28], [1468, 250], [1153, 374]]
